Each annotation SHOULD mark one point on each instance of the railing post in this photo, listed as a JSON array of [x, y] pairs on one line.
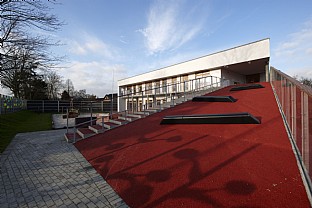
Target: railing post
[[42, 106], [305, 130], [67, 114], [293, 111], [102, 122], [58, 106], [91, 113], [75, 134]]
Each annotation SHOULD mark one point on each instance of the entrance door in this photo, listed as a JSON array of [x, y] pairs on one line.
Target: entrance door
[[253, 78]]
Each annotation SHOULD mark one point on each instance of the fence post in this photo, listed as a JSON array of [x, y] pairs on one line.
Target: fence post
[[67, 114], [43, 106], [58, 106], [75, 134]]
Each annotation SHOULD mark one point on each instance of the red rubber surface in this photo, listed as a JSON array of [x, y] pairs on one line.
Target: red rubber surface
[[202, 165]]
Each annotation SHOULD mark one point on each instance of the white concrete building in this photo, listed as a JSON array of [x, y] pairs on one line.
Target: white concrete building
[[243, 64]]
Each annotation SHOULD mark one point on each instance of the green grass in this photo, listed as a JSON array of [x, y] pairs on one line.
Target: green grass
[[22, 121]]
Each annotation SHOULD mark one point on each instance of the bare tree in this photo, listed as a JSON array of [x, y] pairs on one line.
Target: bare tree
[[69, 87], [54, 84], [19, 16], [304, 80], [23, 52]]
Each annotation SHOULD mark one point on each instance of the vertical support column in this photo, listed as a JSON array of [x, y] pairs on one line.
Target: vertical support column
[[305, 129], [43, 106], [127, 103], [142, 102], [102, 106], [132, 103], [154, 99], [166, 92], [184, 91], [267, 73]]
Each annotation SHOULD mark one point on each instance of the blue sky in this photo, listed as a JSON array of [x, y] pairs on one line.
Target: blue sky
[[119, 38]]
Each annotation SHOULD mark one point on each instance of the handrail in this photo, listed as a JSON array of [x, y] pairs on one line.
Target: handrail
[[166, 86], [303, 87], [179, 91], [295, 103]]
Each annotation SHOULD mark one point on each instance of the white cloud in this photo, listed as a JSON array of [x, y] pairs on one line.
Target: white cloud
[[90, 44], [170, 26], [309, 51], [96, 76], [298, 43], [294, 54], [5, 91]]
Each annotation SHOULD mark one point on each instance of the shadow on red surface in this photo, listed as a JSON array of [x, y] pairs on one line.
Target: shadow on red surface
[[227, 165]]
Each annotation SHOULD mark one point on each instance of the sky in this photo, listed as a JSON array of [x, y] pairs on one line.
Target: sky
[[105, 41]]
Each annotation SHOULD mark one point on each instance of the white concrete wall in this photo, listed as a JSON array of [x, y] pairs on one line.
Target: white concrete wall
[[233, 77], [263, 77], [244, 53]]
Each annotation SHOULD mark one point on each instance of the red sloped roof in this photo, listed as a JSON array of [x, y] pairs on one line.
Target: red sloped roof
[[202, 165]]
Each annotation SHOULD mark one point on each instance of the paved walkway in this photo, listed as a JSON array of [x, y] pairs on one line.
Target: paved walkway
[[41, 170]]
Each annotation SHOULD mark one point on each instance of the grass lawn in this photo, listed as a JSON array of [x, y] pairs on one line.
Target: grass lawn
[[22, 121]]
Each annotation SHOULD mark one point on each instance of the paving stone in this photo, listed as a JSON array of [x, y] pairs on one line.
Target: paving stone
[[82, 205], [36, 176]]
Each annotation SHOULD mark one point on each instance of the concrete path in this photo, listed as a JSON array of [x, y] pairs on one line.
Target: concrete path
[[41, 170]]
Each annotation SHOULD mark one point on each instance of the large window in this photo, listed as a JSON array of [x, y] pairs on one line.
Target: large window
[[164, 86], [185, 83], [149, 88], [157, 87], [174, 84]]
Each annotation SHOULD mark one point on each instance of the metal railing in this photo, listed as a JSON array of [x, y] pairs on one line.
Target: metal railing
[[170, 93], [60, 106], [295, 102], [171, 99], [9, 104]]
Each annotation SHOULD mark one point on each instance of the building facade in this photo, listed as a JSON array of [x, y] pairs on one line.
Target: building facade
[[243, 64]]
